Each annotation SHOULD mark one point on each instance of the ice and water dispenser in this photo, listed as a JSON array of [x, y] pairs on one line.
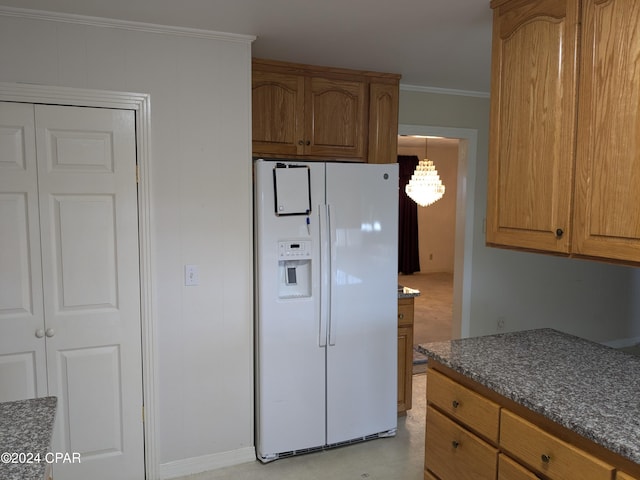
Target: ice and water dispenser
[[294, 269]]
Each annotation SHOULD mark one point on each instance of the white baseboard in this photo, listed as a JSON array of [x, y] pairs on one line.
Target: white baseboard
[[623, 342], [193, 465]]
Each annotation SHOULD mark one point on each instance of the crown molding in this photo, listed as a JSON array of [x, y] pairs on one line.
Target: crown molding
[[443, 91], [123, 24]]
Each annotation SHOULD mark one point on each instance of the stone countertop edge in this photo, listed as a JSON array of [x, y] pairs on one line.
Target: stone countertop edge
[[406, 292], [589, 388], [26, 427]]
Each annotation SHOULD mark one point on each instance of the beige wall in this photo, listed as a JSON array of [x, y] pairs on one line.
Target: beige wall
[[201, 210], [437, 222]]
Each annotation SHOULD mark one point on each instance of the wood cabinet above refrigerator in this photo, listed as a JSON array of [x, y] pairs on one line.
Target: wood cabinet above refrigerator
[[309, 112]]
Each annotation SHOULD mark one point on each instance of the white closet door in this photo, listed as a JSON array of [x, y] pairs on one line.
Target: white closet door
[[22, 345], [89, 234]]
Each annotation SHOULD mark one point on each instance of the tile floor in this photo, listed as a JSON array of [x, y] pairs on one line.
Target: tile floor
[[397, 458]]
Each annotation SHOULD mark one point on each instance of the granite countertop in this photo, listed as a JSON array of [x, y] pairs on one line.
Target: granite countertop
[[406, 292], [25, 428], [586, 387]]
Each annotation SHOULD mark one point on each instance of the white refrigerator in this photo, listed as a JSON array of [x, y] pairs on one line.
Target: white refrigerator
[[326, 250]]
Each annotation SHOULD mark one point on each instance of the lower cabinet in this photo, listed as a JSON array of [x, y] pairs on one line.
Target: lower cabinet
[[405, 354], [624, 476], [511, 470], [454, 453], [473, 433], [428, 476], [547, 454]]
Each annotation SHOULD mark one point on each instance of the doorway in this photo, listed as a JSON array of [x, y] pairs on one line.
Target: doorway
[[436, 240], [69, 213], [140, 105], [466, 140]]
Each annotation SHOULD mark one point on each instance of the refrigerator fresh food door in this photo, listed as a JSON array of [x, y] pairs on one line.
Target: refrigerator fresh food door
[[290, 366], [362, 203]]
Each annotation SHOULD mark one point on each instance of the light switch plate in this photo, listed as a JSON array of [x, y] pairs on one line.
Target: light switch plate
[[191, 275]]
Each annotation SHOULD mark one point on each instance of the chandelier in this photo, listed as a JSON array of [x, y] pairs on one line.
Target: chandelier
[[425, 186]]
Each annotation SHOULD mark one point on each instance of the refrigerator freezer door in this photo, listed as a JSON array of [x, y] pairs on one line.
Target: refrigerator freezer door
[[362, 357], [290, 367]]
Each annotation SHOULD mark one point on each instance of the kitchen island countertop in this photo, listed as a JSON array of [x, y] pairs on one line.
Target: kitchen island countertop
[[26, 427], [584, 386], [406, 292]]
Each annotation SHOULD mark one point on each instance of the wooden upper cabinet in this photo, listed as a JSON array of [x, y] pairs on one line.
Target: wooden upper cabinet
[[383, 123], [309, 112], [278, 112], [335, 118], [564, 155], [607, 194], [533, 118]]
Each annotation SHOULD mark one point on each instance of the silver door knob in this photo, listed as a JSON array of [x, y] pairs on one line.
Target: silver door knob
[[39, 333], [50, 332]]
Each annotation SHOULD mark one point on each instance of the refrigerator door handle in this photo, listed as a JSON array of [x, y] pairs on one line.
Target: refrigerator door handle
[[325, 275], [329, 269]]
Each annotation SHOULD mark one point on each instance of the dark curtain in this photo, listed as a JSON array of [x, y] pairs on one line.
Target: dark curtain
[[408, 255]]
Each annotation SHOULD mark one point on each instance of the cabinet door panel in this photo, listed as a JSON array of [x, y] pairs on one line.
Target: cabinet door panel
[[608, 150], [383, 123], [336, 117], [277, 113], [405, 365], [532, 125]]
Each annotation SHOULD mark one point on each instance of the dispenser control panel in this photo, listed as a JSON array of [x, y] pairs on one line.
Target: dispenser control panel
[[294, 250]]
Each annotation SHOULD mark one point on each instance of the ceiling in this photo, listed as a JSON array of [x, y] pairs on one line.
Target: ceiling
[[431, 43]]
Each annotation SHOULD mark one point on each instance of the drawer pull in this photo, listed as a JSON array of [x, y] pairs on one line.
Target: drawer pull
[[455, 444], [545, 458], [455, 404]]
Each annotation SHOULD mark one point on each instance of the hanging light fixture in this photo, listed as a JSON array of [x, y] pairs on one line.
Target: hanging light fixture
[[425, 186]]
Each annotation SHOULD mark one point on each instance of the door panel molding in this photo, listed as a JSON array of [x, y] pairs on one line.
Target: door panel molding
[[140, 103]]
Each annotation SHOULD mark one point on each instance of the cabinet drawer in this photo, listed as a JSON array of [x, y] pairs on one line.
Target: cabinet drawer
[[453, 453], [475, 411], [405, 312], [510, 470], [624, 476], [429, 476], [547, 454]]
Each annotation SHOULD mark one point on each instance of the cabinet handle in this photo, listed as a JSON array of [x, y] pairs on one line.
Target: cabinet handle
[[300, 142], [545, 458], [559, 233], [50, 332], [401, 316], [39, 333], [455, 404], [455, 444]]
